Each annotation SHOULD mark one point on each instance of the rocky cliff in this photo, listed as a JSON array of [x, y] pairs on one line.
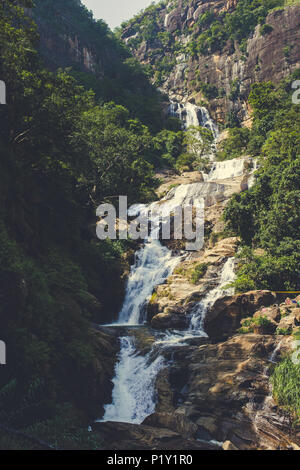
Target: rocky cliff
[[212, 51], [69, 37]]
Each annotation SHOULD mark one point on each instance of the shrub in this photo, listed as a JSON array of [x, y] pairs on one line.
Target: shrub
[[266, 29], [284, 331], [286, 390], [198, 272]]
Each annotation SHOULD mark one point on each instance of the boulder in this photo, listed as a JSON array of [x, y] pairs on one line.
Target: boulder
[[287, 323], [268, 329], [173, 317], [98, 376], [173, 20], [271, 313], [225, 316], [177, 421], [297, 316], [229, 446]]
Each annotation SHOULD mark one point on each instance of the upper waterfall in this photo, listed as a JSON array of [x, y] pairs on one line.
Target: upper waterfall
[[192, 115]]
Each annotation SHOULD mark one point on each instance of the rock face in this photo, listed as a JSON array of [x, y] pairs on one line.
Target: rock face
[[124, 436], [224, 390], [66, 38], [173, 301], [270, 56], [212, 396], [225, 316], [98, 377], [173, 318]]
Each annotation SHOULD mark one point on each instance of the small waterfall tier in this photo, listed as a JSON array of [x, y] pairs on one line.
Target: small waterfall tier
[[133, 396]]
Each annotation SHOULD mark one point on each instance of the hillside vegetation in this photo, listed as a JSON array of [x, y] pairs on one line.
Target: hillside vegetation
[[267, 216], [63, 152]]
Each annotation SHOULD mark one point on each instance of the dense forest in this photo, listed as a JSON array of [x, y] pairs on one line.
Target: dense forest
[[58, 141], [267, 216]]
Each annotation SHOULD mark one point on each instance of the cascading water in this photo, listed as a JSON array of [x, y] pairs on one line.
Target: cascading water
[[222, 289], [227, 169], [154, 263], [251, 180], [133, 393], [133, 397]]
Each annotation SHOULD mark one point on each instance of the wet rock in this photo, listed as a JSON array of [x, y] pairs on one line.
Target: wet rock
[[176, 421], [227, 393], [98, 377], [124, 436], [180, 291]]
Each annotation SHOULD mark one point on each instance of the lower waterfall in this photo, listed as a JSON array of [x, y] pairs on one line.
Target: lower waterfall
[[133, 397]]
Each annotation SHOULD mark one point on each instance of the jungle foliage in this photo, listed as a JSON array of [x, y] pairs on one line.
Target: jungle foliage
[[267, 216]]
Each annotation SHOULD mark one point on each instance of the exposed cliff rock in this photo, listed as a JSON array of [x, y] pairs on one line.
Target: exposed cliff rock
[[98, 377], [65, 40], [222, 77]]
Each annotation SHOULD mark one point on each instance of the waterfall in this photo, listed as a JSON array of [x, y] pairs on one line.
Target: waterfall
[[207, 122], [227, 276], [227, 169], [133, 397], [251, 180], [192, 115], [153, 264]]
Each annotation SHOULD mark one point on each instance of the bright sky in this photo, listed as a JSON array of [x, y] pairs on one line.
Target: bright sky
[[114, 12]]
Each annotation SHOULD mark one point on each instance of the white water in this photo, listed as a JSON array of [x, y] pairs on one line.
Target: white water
[[227, 169], [133, 397], [251, 180], [227, 276], [274, 353], [193, 194], [192, 115], [154, 263]]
